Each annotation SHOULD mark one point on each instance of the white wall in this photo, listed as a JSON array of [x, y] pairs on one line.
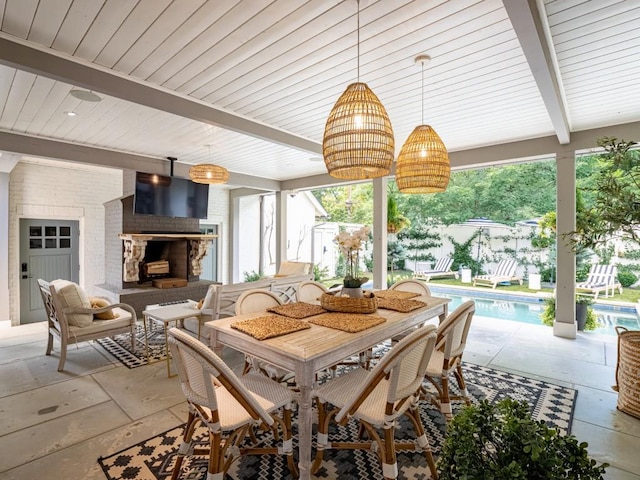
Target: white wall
[[218, 213], [249, 237], [64, 191], [4, 247]]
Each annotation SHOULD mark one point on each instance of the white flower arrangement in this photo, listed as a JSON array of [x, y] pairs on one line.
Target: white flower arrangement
[[350, 245]]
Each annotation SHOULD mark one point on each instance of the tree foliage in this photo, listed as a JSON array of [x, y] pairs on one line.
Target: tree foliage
[[615, 212]]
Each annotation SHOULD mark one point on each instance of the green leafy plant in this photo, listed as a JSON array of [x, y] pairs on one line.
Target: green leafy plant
[[627, 278], [462, 256], [502, 441], [616, 209], [320, 273], [548, 315], [252, 276]]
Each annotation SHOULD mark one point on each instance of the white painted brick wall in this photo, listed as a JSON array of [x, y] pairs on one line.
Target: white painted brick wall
[[78, 192], [61, 191]]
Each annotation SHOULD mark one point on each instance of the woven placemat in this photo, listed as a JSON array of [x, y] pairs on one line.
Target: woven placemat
[[347, 322], [269, 326], [395, 294], [400, 304], [297, 310]]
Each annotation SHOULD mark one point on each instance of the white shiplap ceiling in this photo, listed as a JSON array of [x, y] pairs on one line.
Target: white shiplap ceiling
[[253, 81]]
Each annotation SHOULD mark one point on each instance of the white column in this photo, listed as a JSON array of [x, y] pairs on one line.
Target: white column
[[7, 162], [380, 232], [4, 246], [565, 324], [281, 228]]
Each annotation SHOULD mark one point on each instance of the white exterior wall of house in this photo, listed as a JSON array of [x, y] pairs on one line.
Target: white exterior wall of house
[[64, 191], [57, 190]]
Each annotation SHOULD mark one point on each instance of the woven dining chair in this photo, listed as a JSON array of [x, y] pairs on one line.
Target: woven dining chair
[[447, 358], [411, 285], [254, 301], [229, 406], [377, 398], [310, 291]]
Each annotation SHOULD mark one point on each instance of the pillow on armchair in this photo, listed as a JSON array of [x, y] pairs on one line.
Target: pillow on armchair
[[72, 295], [97, 302]]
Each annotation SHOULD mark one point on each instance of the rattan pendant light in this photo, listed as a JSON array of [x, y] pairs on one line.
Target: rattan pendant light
[[423, 163], [358, 138], [208, 173]]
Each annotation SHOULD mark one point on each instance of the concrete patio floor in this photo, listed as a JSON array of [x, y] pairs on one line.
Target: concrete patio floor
[[55, 425]]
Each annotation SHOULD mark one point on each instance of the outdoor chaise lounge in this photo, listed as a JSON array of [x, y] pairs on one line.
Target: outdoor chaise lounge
[[441, 269], [601, 278], [505, 272]]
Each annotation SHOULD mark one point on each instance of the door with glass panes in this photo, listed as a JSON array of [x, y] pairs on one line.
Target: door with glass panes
[[48, 250]]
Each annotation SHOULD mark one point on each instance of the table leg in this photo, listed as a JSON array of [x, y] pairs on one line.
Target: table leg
[[305, 427], [146, 338], [166, 347]]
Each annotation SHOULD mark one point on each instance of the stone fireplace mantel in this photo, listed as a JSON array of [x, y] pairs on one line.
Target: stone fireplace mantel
[[135, 245]]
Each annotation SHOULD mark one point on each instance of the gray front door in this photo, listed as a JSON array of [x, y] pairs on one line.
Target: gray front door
[[48, 250]]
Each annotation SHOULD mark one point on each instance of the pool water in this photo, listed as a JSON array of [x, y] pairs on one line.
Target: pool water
[[529, 312]]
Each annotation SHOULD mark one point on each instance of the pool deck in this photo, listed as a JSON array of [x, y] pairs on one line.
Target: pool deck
[[539, 296]]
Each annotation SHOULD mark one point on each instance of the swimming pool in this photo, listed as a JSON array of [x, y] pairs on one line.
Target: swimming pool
[[529, 312]]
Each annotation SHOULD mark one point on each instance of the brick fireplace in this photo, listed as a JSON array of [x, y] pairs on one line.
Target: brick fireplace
[[131, 241]]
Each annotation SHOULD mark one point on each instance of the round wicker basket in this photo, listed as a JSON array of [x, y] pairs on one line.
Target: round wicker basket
[[336, 303], [628, 371]]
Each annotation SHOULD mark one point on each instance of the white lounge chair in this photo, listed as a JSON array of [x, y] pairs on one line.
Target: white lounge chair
[[505, 272], [601, 278], [441, 269]]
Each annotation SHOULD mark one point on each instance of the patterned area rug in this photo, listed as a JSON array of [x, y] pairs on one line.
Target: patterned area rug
[[120, 346], [153, 459]]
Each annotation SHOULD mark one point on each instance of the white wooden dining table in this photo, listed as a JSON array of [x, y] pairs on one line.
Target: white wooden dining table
[[308, 351]]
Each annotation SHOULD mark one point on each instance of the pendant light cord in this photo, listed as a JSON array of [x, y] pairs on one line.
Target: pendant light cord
[[422, 87], [358, 30]]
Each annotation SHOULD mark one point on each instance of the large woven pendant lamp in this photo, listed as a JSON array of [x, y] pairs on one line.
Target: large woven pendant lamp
[[208, 173], [423, 163], [358, 138]]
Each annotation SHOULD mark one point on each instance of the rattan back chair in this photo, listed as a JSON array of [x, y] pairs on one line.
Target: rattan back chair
[[229, 406], [377, 398], [447, 358], [310, 291], [254, 301], [411, 285]]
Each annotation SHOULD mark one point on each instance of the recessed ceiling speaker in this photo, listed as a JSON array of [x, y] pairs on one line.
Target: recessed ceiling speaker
[[85, 96]]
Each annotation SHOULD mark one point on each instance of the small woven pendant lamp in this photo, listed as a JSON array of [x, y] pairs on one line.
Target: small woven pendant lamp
[[358, 138], [208, 173], [423, 163]]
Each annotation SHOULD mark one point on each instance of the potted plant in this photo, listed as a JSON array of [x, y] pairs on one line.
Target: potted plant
[[585, 316], [502, 440], [350, 245]]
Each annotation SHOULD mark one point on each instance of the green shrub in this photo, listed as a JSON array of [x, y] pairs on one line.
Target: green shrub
[[548, 315], [627, 278], [252, 276], [502, 441], [320, 273]]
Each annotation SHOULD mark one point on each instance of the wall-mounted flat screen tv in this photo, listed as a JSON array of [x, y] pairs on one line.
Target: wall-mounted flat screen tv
[[170, 196]]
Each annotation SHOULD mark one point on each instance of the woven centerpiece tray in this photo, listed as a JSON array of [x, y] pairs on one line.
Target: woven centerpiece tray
[[347, 322], [399, 294], [269, 326], [297, 310], [403, 305], [335, 303]]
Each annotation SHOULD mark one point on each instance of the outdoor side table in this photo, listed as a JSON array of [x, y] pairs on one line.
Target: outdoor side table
[[170, 314]]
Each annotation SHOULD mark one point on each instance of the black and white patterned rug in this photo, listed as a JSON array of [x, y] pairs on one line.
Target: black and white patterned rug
[[153, 459], [120, 346]]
